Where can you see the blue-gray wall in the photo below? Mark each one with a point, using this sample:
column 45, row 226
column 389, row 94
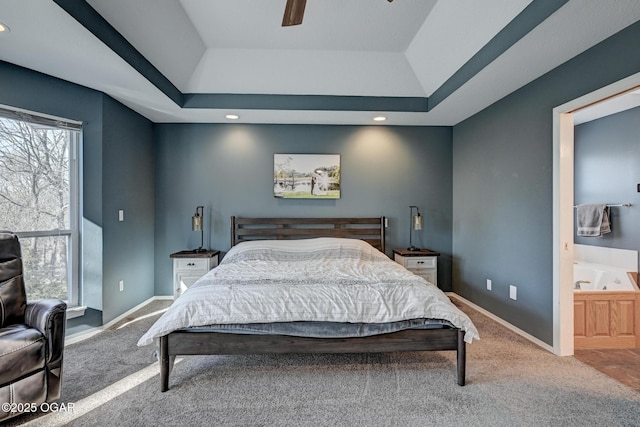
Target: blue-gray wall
column 228, row 168
column 502, row 186
column 127, row 184
column 117, row 173
column 607, row 170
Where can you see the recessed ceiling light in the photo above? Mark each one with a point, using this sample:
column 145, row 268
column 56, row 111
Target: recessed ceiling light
column 4, row 28
column 232, row 116
column 379, row 119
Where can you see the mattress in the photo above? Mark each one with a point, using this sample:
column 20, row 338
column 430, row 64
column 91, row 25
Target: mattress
column 324, row 329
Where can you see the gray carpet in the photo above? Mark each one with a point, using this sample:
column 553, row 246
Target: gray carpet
column 509, row 382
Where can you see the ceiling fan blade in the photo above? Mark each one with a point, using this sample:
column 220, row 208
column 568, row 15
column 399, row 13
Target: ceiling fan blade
column 293, row 12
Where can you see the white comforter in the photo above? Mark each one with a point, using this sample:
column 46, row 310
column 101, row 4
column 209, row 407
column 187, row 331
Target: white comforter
column 323, row 279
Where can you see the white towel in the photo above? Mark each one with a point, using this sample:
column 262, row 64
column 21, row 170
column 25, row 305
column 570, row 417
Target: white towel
column 593, row 220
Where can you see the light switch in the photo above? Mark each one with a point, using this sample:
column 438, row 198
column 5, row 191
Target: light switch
column 121, row 215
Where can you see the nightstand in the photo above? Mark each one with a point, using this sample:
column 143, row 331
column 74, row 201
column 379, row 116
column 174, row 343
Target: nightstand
column 189, row 266
column 423, row 262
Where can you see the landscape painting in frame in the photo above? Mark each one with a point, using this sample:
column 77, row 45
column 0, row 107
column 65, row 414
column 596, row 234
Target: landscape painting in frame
column 306, row 176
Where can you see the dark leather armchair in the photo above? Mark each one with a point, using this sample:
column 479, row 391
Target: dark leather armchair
column 31, row 337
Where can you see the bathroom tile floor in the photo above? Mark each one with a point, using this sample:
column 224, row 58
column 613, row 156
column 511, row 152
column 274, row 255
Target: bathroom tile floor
column 620, row 364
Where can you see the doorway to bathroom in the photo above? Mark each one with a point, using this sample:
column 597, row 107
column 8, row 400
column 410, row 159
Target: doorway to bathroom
column 564, row 117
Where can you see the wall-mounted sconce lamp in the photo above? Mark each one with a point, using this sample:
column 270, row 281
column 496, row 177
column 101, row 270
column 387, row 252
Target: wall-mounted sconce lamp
column 415, row 223
column 197, row 224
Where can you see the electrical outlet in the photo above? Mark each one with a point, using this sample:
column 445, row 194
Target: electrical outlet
column 488, row 284
column 121, row 284
column 513, row 292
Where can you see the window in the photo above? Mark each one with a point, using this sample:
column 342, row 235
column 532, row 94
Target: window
column 39, row 172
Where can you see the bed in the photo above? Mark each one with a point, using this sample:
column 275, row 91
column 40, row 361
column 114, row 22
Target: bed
column 309, row 285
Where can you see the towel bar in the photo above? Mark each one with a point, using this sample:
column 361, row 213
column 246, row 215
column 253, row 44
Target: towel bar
column 613, row 205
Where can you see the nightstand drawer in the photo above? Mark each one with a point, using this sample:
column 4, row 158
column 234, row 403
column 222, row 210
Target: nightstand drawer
column 417, row 263
column 192, row 264
column 423, row 263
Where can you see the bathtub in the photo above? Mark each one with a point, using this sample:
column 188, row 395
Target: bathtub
column 597, row 277
column 606, row 307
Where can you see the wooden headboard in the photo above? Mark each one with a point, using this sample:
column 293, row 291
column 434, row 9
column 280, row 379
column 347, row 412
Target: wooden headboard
column 370, row 230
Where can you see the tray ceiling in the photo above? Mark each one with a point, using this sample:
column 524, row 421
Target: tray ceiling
column 417, row 62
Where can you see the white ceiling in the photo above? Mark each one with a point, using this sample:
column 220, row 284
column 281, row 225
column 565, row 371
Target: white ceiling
column 364, row 48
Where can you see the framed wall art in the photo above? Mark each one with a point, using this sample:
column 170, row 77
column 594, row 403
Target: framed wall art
column 306, row 176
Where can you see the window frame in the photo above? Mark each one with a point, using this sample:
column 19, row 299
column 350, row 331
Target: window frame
column 75, row 184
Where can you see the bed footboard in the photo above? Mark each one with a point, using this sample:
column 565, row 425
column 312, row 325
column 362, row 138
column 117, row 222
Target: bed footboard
column 199, row 342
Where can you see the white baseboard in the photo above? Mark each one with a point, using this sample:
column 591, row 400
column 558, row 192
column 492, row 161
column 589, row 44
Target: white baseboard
column 503, row 322
column 81, row 336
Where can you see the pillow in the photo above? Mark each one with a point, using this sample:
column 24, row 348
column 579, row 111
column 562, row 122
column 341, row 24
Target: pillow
column 305, row 245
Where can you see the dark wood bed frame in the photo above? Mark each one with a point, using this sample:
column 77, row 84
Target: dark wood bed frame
column 197, row 341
